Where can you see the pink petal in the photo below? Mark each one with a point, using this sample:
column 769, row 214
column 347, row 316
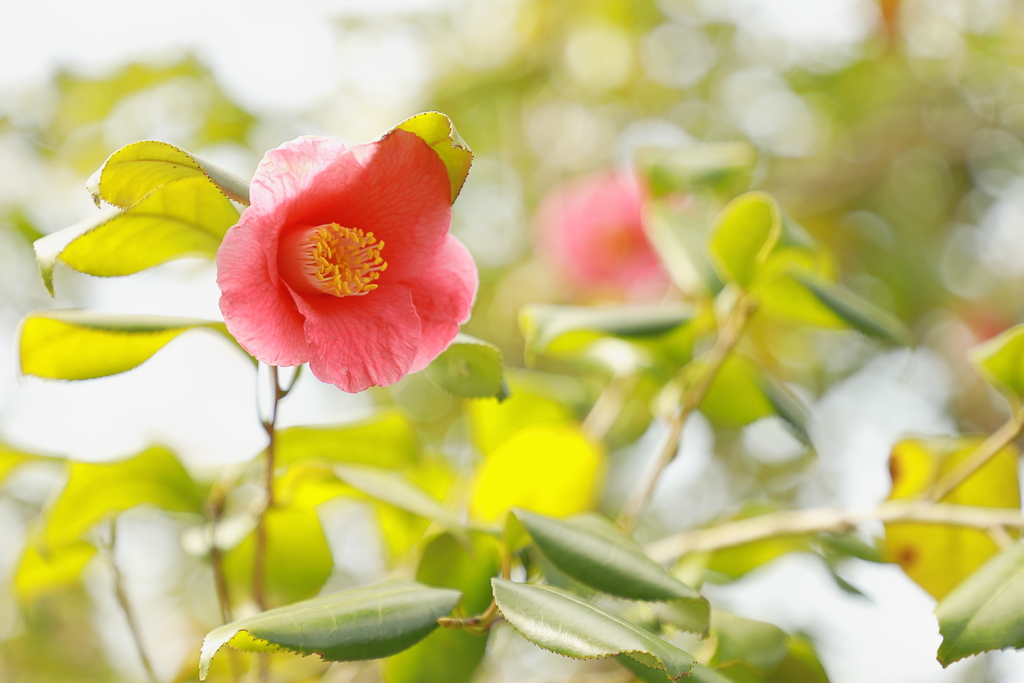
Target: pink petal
column 443, row 294
column 288, row 173
column 361, row 341
column 257, row 306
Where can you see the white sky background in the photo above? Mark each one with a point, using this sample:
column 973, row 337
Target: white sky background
column 283, row 58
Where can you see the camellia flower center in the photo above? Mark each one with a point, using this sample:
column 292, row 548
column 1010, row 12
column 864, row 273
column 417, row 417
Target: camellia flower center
column 340, row 261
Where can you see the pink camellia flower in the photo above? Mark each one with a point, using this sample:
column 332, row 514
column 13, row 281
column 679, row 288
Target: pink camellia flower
column 593, row 228
column 343, row 260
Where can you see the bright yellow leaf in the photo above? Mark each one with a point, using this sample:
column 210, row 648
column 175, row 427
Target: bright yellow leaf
column 493, row 422
column 437, row 130
column 551, row 469
column 939, row 557
column 39, row 575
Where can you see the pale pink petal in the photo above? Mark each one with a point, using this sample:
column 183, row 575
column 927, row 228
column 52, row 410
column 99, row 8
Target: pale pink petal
column 443, row 294
column 357, row 342
column 288, row 173
column 257, row 306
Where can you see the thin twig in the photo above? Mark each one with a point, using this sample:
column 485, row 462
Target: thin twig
column 122, row 600
column 830, row 520
column 269, row 426
column 979, row 457
column 215, row 510
column 608, row 405
column 709, row 367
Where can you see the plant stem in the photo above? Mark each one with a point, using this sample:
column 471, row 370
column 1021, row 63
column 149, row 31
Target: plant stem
column 979, row 457
column 608, row 405
column 215, row 510
column 269, row 426
column 122, row 600
column 709, row 367
column 830, row 520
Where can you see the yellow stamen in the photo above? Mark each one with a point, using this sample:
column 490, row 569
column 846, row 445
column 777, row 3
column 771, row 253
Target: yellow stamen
column 342, row 261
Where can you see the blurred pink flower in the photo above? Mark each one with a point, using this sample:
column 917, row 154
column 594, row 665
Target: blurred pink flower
column 592, row 228
column 343, row 260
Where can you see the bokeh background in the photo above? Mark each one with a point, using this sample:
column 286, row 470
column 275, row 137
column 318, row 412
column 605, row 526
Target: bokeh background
column 892, row 130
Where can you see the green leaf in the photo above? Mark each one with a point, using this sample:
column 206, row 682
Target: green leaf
column 298, row 560
column 43, row 573
column 390, row 488
column 699, row 674
column 387, row 439
column 725, row 167
column 135, row 170
column 75, row 344
column 568, row 625
column 437, row 130
column 366, row 623
column 543, row 324
column 787, row 405
column 470, row 368
column 984, row 612
column 758, row 643
column 98, row 491
column 856, row 312
column 1000, row 361
column 447, row 655
column 743, row 236
column 604, row 559
column 737, row 395
column 184, row 217
column 678, row 233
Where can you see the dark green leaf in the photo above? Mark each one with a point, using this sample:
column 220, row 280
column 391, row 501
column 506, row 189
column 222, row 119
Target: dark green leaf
column 609, row 561
column 699, row 674
column 788, row 406
column 470, row 368
column 543, row 324
column 857, row 312
column 984, row 612
column 568, row 625
column 757, row 643
column 366, row 623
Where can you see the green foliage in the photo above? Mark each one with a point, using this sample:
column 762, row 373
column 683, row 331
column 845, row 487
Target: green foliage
column 183, row 217
column 725, row 167
column 451, row 656
column 99, row 491
column 470, row 368
column 567, row 624
column 387, row 439
column 1001, row 362
column 983, row 613
column 593, row 552
column 391, row 488
column 544, row 324
column 74, row 344
column 743, row 237
column 135, row 170
column 439, row 132
column 366, row 623
column 858, row 313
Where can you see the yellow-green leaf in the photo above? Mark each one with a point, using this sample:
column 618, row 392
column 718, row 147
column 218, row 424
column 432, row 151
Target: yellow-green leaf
column 726, row 167
column 551, row 469
column 74, row 344
column 743, row 236
column 135, row 170
column 437, row 130
column 40, row 574
column 99, row 491
column 183, row 217
column 939, row 557
column 470, row 368
column 1000, row 361
column 736, row 396
column 386, row 439
column 856, row 312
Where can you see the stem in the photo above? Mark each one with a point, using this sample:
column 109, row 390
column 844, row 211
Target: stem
column 480, row 622
column 608, row 405
column 122, row 600
column 830, row 520
column 988, row 449
column 710, row 365
column 269, row 426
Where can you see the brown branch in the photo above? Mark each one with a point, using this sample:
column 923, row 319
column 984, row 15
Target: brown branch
column 123, row 602
column 729, row 336
column 269, row 426
column 830, row 520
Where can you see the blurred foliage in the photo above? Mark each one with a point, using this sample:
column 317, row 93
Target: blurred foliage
column 882, row 167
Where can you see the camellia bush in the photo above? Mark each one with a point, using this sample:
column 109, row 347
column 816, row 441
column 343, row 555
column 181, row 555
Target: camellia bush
column 338, row 261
